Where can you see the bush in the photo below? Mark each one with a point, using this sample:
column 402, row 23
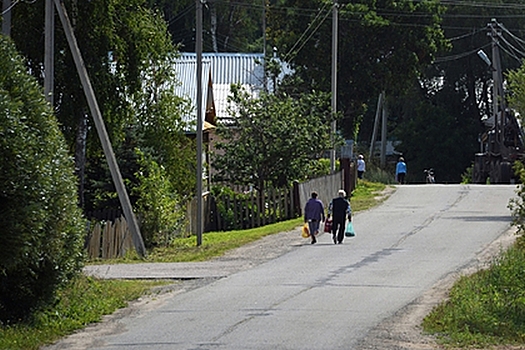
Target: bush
column 161, row 215
column 41, row 224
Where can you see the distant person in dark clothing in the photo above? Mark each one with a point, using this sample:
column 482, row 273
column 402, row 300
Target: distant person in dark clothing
column 339, row 209
column 314, row 214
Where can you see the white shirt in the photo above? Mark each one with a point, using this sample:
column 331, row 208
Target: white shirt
column 360, row 165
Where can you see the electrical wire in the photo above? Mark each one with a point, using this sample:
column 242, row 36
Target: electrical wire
column 520, row 60
column 10, row 7
column 289, row 53
column 514, row 49
column 459, row 56
column 520, row 41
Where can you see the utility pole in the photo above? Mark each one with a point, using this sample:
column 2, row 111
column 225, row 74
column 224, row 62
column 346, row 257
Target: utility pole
column 6, row 17
column 49, row 52
column 198, row 50
column 265, row 83
column 101, row 129
column 498, row 101
column 334, row 84
column 383, row 136
column 376, row 125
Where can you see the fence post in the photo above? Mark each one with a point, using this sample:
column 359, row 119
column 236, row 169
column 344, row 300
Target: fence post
column 296, row 201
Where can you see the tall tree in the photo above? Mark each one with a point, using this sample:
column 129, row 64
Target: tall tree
column 459, row 86
column 383, row 46
column 272, row 139
column 129, row 56
column 229, row 25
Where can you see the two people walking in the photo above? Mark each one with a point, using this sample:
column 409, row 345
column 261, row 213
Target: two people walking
column 339, row 210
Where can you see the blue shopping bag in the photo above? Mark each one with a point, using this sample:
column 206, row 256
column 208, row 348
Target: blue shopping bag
column 349, row 231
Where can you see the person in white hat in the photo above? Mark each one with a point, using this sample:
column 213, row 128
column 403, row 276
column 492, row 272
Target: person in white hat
column 339, row 209
column 361, row 166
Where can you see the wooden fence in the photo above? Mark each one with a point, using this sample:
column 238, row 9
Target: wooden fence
column 245, row 210
column 109, row 239
column 109, row 236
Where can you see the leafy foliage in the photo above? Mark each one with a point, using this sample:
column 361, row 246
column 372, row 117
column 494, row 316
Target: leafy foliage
column 129, row 57
column 421, row 126
column 382, row 46
column 161, row 215
column 485, row 308
column 41, row 224
column 82, row 301
column 272, row 139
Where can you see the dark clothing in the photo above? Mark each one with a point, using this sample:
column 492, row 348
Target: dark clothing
column 313, row 214
column 339, row 209
column 314, row 210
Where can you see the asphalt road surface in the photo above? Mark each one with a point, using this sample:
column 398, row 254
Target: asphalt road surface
column 327, row 296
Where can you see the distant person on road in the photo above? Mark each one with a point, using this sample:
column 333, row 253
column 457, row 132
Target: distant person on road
column 361, row 166
column 401, row 171
column 339, row 209
column 313, row 215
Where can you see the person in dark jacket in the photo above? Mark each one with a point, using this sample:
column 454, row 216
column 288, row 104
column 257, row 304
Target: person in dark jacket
column 339, row 209
column 313, row 214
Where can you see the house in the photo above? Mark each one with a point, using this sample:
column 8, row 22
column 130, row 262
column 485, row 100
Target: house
column 219, row 72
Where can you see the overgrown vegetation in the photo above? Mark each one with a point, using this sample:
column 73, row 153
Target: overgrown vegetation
column 41, row 225
column 485, row 308
column 81, row 302
column 488, row 307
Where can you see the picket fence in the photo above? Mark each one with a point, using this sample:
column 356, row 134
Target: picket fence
column 109, row 239
column 249, row 209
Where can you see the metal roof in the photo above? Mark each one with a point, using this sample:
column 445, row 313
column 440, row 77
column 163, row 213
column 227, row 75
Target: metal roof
column 220, row 70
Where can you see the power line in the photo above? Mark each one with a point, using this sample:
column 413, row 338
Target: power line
column 10, row 7
column 459, row 56
column 289, row 53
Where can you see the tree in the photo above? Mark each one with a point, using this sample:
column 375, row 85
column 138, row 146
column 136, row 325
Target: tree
column 272, row 139
column 230, row 26
column 42, row 230
column 129, row 56
column 383, row 46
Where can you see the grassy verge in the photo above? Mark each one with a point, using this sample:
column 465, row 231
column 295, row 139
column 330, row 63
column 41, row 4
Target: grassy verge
column 216, row 243
column 486, row 308
column 86, row 300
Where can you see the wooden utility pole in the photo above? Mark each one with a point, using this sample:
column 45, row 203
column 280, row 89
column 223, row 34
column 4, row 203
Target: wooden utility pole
column 101, row 129
column 6, row 17
column 383, row 135
column 198, row 50
column 376, row 125
column 335, row 25
column 49, row 52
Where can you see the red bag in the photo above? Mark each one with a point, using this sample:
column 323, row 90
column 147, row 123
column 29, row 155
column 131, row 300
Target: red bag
column 328, row 226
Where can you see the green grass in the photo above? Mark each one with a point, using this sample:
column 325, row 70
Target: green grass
column 486, row 308
column 86, row 300
column 216, row 243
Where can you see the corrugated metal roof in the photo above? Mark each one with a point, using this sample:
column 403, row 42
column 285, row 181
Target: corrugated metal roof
column 225, row 69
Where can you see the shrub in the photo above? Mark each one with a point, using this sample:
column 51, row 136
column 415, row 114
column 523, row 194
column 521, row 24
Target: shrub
column 41, row 226
column 162, row 216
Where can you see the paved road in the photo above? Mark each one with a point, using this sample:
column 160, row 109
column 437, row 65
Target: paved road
column 327, row 296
